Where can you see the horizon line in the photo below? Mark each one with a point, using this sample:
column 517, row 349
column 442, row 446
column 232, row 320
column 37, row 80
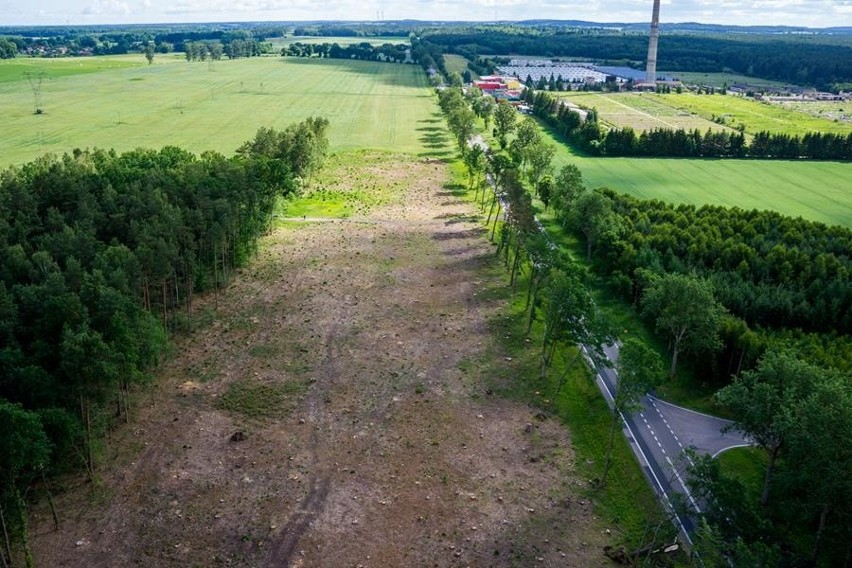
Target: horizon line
column 587, row 23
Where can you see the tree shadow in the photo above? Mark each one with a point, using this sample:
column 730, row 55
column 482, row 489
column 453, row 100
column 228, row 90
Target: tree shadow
column 453, row 218
column 452, row 189
column 363, row 67
column 450, row 235
column 464, row 219
column 434, row 138
column 438, row 154
column 476, row 263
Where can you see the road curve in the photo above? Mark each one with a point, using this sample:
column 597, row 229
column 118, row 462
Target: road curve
column 659, row 434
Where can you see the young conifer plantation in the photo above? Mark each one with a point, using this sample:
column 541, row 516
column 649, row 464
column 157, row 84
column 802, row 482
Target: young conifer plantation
column 101, row 255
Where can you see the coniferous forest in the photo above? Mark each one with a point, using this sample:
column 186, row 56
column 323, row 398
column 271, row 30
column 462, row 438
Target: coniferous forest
column 771, row 272
column 101, row 257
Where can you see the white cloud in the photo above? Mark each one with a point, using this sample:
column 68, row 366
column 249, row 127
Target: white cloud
column 107, row 7
column 817, row 13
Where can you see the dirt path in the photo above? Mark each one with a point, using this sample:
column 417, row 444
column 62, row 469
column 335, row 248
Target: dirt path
column 388, row 448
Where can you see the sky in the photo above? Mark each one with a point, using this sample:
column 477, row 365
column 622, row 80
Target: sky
column 811, row 13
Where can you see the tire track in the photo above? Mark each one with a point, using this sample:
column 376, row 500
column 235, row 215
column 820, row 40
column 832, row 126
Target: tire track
column 284, row 549
column 310, row 507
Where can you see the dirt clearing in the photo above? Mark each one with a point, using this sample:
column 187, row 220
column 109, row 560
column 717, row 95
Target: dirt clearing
column 325, row 416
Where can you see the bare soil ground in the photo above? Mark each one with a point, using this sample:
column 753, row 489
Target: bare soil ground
column 340, row 355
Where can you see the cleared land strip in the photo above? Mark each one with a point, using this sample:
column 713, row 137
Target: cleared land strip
column 389, row 450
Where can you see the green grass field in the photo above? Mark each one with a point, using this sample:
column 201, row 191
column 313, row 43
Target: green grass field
column 719, row 79
column 748, row 465
column 122, row 103
column 755, row 115
column 200, row 107
column 14, row 70
column 455, row 63
column 818, row 191
column 638, row 111
column 645, row 111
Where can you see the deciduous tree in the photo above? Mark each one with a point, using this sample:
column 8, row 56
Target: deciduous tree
column 572, row 318
column 149, row 51
column 484, row 107
column 539, row 158
column 527, row 137
column 505, row 117
column 474, row 160
column 819, row 462
column 26, row 451
column 684, row 308
column 567, row 188
column 592, row 215
column 765, row 403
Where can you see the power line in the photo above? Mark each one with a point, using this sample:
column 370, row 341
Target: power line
column 35, row 79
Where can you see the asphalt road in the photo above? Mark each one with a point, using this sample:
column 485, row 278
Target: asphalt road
column 658, row 435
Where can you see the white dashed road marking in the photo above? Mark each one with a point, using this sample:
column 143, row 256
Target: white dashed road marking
column 671, row 431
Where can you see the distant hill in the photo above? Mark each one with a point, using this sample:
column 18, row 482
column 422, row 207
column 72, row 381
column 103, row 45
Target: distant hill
column 689, row 27
column 641, row 27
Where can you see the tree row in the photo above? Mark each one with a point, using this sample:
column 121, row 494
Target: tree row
column 214, row 50
column 390, row 52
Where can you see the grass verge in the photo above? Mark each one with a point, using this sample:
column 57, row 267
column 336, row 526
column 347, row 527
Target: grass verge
column 626, row 503
column 748, row 465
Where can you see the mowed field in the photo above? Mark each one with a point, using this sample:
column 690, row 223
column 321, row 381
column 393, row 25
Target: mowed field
column 646, row 111
column 638, row 111
column 455, row 63
column 201, row 106
column 818, row 191
column 16, row 70
column 755, row 115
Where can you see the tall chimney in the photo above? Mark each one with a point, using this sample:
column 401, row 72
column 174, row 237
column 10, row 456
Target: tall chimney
column 651, row 67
